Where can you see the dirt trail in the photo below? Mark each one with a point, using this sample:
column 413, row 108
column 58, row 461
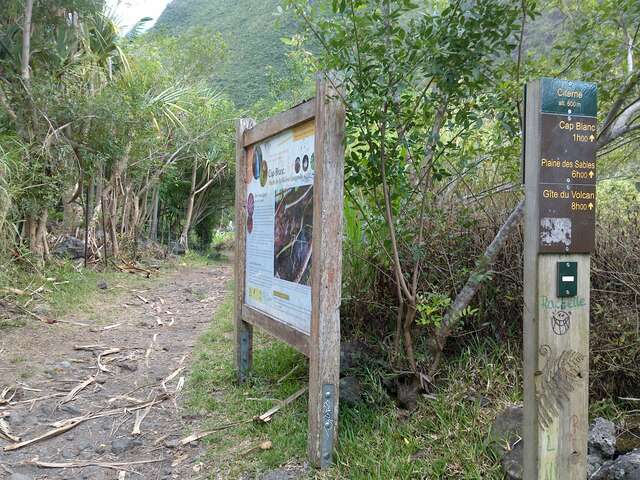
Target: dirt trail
column 138, row 352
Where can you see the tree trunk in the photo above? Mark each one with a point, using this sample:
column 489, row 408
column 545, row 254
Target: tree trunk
column 126, row 211
column 25, row 71
column 41, row 235
column 407, row 329
column 36, row 231
column 113, row 223
column 71, row 213
column 31, row 232
column 184, row 237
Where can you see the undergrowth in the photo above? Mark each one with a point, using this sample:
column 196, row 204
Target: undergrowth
column 443, row 438
column 59, row 288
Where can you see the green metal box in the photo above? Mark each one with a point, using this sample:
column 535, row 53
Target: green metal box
column 567, row 279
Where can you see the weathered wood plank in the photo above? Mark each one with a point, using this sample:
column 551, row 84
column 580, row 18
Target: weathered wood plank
column 243, row 330
column 530, row 278
column 562, row 442
column 280, row 122
column 297, row 339
column 324, row 352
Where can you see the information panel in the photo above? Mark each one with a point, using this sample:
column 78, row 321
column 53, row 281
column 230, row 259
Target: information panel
column 567, row 182
column 279, row 226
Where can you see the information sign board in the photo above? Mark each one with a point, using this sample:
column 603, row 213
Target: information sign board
column 288, row 265
column 280, row 226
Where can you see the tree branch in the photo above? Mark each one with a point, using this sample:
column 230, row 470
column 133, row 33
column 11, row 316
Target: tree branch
column 464, row 297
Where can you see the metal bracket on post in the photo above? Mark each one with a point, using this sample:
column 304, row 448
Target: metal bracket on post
column 328, row 424
column 244, row 354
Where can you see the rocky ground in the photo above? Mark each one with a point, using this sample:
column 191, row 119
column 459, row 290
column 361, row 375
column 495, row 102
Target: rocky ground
column 613, row 451
column 102, row 399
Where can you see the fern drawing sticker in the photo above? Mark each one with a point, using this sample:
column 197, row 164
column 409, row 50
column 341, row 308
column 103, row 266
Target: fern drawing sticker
column 560, row 321
column 559, row 377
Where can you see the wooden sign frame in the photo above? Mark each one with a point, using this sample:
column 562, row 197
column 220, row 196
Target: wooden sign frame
column 322, row 345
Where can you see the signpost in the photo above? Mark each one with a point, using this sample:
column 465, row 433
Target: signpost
column 289, row 201
column 560, row 203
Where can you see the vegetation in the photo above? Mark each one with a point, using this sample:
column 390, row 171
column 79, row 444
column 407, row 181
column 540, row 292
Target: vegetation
column 434, row 147
column 376, row 439
column 116, row 135
column 129, row 142
column 253, row 32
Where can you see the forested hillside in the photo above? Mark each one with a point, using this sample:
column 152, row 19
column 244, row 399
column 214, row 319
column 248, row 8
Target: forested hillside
column 252, row 31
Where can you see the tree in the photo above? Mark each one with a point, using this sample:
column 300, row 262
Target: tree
column 417, row 82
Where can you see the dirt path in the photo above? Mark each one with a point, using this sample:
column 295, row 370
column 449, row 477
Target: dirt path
column 136, row 351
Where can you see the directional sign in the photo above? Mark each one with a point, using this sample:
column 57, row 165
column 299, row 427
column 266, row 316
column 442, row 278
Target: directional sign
column 567, row 180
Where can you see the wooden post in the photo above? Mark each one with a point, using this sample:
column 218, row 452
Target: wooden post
column 324, row 344
column 243, row 330
column 559, row 235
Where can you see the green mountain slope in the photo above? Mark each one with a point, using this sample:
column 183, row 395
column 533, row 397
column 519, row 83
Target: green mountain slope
column 252, row 33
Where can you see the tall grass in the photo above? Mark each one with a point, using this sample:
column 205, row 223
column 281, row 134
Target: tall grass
column 9, row 150
column 5, row 204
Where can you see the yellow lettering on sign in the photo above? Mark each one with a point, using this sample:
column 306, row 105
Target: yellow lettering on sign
column 584, row 164
column 586, row 127
column 550, row 163
column 566, row 125
column 583, row 195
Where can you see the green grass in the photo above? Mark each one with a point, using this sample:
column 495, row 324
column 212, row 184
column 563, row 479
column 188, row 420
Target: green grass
column 62, row 288
column 444, row 438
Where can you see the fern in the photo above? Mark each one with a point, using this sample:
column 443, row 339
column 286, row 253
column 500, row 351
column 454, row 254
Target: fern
column 559, row 377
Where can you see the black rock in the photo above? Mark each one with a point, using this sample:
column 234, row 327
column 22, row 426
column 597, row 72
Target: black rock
column 176, row 249
column 512, row 462
column 350, row 390
column 70, row 247
column 121, row 445
column 625, row 467
column 102, row 285
column 407, row 389
column 597, row 468
column 507, row 427
column 172, row 443
column 602, row 438
column 505, row 438
column 351, row 354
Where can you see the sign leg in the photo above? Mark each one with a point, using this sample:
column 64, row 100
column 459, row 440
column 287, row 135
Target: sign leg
column 324, row 345
column 243, row 331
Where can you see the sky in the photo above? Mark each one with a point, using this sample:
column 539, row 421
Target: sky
column 128, row 12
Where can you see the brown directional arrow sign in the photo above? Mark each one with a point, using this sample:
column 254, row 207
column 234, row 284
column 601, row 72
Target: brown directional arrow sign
column 567, row 180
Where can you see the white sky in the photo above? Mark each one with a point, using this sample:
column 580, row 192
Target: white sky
column 128, row 12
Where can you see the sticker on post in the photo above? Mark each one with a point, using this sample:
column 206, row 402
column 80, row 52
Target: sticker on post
column 555, row 231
